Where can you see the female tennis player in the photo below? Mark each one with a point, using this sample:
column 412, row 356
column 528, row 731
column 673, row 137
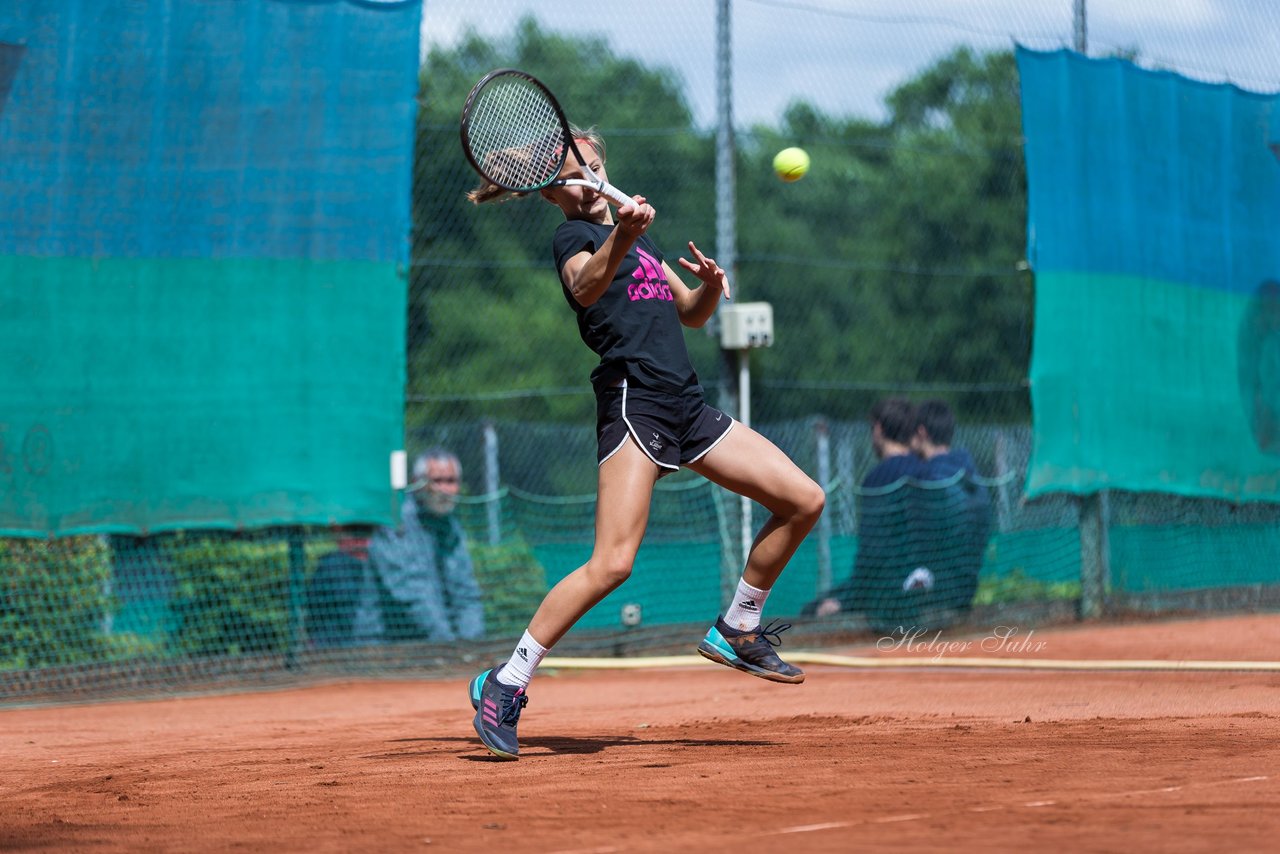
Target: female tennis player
column 651, row 419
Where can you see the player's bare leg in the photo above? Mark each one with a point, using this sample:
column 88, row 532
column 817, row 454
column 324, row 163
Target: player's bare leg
column 750, row 465
column 622, row 512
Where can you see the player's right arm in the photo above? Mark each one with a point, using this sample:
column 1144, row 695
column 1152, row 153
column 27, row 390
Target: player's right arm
column 587, row 275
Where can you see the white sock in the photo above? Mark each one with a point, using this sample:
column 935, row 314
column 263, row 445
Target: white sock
column 525, row 659
column 748, row 603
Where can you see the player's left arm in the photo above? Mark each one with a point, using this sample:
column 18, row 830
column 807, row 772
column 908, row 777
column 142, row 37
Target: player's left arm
column 696, row 305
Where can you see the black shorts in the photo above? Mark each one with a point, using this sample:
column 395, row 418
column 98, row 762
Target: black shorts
column 672, row 429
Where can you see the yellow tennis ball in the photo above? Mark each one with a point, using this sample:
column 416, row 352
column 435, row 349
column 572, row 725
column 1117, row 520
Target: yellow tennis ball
column 791, row 164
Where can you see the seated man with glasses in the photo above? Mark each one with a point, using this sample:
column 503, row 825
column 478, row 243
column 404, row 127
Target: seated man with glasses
column 420, row 583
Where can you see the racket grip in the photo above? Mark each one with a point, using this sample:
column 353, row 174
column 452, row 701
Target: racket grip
column 617, row 195
column 602, row 187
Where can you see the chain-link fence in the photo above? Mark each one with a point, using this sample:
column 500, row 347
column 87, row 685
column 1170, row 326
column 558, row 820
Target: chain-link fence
column 895, row 267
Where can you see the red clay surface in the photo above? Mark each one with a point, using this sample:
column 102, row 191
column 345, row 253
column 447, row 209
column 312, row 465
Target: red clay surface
column 699, row 758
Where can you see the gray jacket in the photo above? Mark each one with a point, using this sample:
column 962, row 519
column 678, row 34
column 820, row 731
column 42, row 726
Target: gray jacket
column 411, row 592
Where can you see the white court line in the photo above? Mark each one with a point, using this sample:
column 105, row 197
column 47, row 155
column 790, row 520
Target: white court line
column 833, row 825
column 895, row 662
column 809, row 828
column 1204, row 785
column 1143, row 792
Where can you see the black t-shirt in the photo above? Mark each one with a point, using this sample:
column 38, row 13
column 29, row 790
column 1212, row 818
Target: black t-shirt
column 634, row 327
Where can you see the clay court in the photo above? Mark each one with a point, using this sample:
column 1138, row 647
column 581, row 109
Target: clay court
column 911, row 749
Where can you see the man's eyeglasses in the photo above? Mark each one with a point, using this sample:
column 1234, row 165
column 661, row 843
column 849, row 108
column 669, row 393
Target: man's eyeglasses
column 443, row 481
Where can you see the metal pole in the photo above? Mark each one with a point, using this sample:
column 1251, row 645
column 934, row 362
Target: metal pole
column 1095, row 555
column 1081, row 27
column 491, row 478
column 1004, row 508
column 744, row 415
column 727, row 257
column 823, row 434
column 297, row 574
column 726, row 237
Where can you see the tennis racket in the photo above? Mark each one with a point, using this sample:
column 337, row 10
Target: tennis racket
column 516, row 136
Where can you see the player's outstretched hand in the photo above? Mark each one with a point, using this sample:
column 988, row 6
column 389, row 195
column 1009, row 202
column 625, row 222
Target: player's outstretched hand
column 707, row 271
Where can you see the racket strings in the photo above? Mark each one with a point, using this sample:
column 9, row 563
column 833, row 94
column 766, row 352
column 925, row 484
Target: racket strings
column 515, row 136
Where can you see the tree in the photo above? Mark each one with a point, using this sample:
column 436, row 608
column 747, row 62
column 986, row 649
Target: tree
column 961, row 122
column 894, row 265
column 486, row 311
column 897, row 261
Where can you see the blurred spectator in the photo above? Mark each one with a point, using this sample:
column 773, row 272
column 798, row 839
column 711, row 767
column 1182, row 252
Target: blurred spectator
column 883, row 538
column 421, row 584
column 893, row 425
column 935, row 429
column 931, row 440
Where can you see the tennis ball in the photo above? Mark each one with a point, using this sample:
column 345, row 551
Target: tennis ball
column 791, row 164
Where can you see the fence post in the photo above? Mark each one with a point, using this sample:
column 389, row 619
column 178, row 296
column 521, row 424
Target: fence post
column 1080, row 28
column 297, row 575
column 1004, row 512
column 1095, row 554
column 727, row 257
column 823, row 440
column 726, row 520
column 492, row 477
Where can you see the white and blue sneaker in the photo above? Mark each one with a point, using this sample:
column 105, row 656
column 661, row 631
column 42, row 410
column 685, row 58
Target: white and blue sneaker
column 750, row 651
column 498, row 709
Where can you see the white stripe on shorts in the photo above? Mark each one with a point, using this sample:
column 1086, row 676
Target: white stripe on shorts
column 716, row 442
column 635, row 435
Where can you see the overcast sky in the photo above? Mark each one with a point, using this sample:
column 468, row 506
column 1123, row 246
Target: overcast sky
column 846, row 55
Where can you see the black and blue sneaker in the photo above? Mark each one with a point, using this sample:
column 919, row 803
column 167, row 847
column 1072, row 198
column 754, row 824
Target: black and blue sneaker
column 750, row 651
column 497, row 713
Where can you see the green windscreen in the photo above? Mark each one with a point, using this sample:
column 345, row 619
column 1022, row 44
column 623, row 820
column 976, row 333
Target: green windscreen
column 192, row 393
column 202, row 246
column 1154, row 232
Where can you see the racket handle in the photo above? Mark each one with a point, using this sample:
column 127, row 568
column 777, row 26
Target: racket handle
column 602, row 187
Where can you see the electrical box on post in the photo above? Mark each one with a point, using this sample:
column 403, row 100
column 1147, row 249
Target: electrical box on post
column 744, row 326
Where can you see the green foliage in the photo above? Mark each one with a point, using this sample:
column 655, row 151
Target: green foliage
column 54, row 597
column 896, row 261
column 230, row 595
column 130, row 646
column 513, row 583
column 1017, row 586
column 487, row 312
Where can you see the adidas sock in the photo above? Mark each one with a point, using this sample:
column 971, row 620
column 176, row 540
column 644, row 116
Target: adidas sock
column 526, row 657
column 747, row 605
